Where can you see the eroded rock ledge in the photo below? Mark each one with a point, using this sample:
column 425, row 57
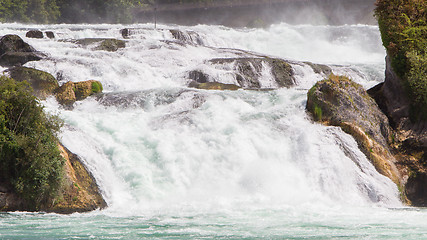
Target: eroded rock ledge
column 340, row 102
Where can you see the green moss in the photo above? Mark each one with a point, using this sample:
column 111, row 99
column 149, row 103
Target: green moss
column 404, row 33
column 317, row 113
column 96, row 87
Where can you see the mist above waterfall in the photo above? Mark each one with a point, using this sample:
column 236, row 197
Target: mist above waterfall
column 262, row 14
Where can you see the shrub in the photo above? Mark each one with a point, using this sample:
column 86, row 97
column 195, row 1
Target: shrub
column 404, row 34
column 29, row 157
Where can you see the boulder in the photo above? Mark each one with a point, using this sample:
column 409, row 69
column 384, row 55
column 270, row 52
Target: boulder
column 71, row 92
column 188, row 37
column 14, row 51
column 340, row 102
column 34, row 34
column 50, row 34
column 125, row 32
column 198, row 76
column 111, row 45
column 105, row 44
column 248, row 72
column 43, row 83
column 65, row 94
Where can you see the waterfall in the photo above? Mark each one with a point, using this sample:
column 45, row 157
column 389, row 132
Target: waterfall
column 153, row 143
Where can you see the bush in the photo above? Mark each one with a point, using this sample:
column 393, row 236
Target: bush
column 29, row 157
column 404, row 33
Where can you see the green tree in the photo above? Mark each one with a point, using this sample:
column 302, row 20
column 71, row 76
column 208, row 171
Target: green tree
column 29, row 157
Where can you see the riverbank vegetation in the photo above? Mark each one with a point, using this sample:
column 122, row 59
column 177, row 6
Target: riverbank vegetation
column 30, row 162
column 76, row 11
column 404, row 33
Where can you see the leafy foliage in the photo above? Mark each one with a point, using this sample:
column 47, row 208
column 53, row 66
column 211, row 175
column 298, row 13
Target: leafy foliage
column 404, row 33
column 29, row 157
column 41, row 11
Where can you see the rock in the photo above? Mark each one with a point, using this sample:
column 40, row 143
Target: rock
column 10, row 59
column 198, row 76
column 78, row 192
column 43, row 83
column 188, row 37
column 105, row 44
column 320, row 68
column 391, row 97
column 125, row 32
column 410, row 143
column 34, row 34
column 215, row 86
column 249, row 71
column 340, row 102
column 50, row 34
column 71, row 92
column 13, row 43
column 65, row 94
column 111, row 45
column 86, row 88
column 14, row 51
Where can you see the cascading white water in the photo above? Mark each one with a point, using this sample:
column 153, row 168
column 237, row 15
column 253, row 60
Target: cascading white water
column 159, row 148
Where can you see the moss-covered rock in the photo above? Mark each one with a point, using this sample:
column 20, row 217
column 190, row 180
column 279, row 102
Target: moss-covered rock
column 65, row 94
column 111, row 45
column 104, row 44
column 43, row 83
column 340, row 102
column 71, row 92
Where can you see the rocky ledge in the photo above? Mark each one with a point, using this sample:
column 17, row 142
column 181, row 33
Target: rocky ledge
column 340, row 102
column 78, row 193
column 246, row 72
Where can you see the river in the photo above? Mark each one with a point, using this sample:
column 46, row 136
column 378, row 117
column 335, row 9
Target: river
column 174, row 162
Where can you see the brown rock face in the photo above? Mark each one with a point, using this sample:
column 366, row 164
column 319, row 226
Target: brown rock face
column 65, row 94
column 78, row 193
column 70, row 92
column 410, row 145
column 340, row 102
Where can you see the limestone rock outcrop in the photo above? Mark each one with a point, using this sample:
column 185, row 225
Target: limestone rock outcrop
column 248, row 73
column 340, row 102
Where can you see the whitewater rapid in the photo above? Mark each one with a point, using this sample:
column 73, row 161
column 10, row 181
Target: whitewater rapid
column 155, row 145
